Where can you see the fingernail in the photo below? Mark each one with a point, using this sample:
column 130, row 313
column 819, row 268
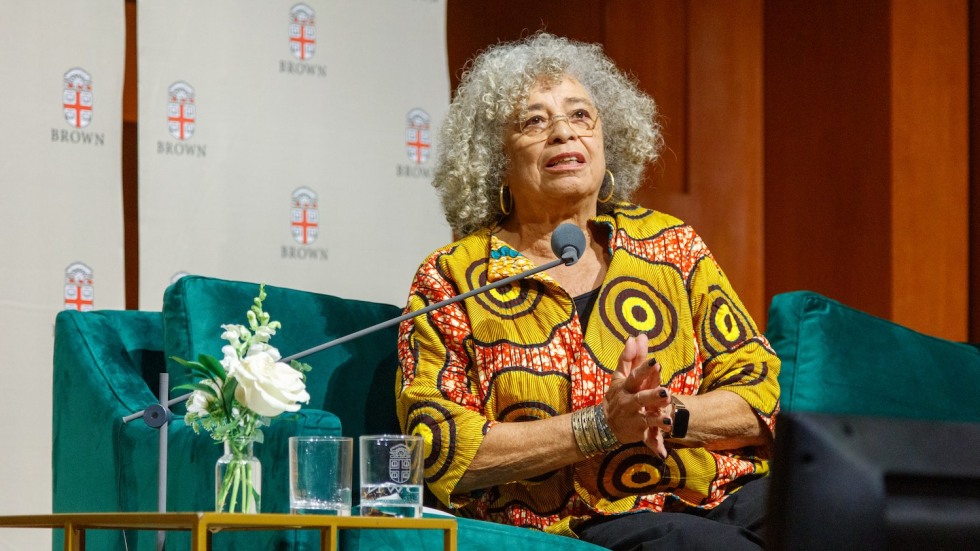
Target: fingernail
column 667, row 421
column 652, row 362
column 663, row 393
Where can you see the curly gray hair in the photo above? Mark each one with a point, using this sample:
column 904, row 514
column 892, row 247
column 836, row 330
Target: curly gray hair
column 495, row 87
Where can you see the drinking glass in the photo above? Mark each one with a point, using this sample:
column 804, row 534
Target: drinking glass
column 320, row 475
column 391, row 475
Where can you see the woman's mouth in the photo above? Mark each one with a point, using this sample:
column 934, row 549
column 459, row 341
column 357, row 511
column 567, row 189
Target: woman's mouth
column 566, row 159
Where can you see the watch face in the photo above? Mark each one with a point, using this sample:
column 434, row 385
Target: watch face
column 681, row 418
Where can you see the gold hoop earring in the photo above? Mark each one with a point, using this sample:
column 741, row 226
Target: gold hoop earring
column 510, row 201
column 612, row 188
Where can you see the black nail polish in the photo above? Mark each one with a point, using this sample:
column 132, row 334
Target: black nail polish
column 663, row 393
column 667, row 421
column 652, row 362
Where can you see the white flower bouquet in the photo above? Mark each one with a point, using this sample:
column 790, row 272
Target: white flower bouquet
column 234, row 398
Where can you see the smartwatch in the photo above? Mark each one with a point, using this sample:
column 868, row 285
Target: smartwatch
column 681, row 418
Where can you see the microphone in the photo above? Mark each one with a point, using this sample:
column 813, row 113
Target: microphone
column 567, row 243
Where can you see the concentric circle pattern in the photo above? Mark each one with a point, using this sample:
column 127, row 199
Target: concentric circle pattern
column 435, row 424
column 633, row 470
column 630, row 305
column 508, row 302
column 725, row 324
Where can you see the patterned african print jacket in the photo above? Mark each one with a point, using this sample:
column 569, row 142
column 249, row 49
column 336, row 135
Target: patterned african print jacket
column 517, row 353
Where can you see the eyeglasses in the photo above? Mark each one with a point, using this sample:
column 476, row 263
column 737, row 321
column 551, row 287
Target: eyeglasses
column 581, row 120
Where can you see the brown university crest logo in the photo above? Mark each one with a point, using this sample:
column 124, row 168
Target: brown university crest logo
column 304, row 218
column 302, row 32
column 77, row 100
column 418, row 142
column 79, row 289
column 181, row 110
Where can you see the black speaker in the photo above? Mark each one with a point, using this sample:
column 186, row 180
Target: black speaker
column 846, row 482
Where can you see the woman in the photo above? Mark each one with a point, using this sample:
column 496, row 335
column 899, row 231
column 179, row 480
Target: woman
column 553, row 403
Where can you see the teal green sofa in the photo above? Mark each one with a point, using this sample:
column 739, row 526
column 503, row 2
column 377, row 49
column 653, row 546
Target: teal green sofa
column 839, row 360
column 107, row 366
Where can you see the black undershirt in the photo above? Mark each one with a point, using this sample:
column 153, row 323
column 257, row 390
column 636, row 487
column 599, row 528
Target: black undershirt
column 584, row 303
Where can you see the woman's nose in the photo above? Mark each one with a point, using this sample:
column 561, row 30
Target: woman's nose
column 561, row 130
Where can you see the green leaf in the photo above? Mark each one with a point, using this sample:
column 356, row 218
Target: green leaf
column 207, row 389
column 214, row 367
column 300, row 366
column 195, row 367
column 228, row 395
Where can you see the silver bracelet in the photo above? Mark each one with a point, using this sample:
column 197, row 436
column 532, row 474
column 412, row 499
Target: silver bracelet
column 592, row 433
column 607, row 437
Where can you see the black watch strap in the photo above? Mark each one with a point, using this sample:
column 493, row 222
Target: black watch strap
column 681, row 418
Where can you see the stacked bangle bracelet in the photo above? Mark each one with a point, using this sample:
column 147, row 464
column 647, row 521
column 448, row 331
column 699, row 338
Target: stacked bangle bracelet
column 592, row 432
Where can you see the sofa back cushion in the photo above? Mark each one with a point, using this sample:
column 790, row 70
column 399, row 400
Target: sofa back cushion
column 839, row 360
column 354, row 380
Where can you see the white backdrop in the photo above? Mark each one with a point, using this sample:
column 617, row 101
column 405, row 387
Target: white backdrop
column 280, row 141
column 289, row 143
column 61, row 210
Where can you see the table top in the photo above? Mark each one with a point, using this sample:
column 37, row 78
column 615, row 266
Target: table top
column 203, row 524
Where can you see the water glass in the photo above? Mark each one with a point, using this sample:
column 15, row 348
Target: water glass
column 391, row 475
column 320, row 475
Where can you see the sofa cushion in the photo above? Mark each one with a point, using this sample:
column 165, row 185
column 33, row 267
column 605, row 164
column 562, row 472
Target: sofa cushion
column 355, row 380
column 839, row 360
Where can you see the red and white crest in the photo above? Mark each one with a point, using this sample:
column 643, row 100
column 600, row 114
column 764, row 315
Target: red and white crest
column 77, row 100
column 302, row 31
column 417, row 139
column 304, row 218
column 79, row 291
column 181, row 110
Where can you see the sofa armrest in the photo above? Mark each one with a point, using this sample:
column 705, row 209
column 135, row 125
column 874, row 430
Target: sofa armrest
column 95, row 383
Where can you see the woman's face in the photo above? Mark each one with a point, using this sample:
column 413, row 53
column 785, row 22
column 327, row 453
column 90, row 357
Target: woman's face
column 551, row 164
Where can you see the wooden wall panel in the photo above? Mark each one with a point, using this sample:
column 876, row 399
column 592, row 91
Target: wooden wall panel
column 649, row 40
column 130, row 99
column 930, row 183
column 827, row 151
column 473, row 26
column 130, row 165
column 974, row 232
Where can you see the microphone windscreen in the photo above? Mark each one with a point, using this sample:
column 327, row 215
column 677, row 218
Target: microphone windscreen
column 568, row 243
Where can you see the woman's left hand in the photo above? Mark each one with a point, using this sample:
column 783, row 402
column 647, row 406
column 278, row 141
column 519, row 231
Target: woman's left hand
column 636, row 404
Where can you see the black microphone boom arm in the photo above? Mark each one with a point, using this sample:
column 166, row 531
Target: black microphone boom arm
column 387, row 323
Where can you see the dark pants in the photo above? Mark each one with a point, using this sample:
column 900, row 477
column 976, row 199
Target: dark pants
column 738, row 523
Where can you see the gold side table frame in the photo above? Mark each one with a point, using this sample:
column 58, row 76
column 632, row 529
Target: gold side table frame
column 203, row 525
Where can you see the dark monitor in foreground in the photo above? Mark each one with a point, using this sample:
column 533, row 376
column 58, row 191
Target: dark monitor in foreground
column 867, row 483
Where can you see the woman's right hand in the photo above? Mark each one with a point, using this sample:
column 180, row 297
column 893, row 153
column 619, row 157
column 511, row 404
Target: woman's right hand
column 636, row 404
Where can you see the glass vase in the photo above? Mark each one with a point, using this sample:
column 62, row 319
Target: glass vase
column 238, row 479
